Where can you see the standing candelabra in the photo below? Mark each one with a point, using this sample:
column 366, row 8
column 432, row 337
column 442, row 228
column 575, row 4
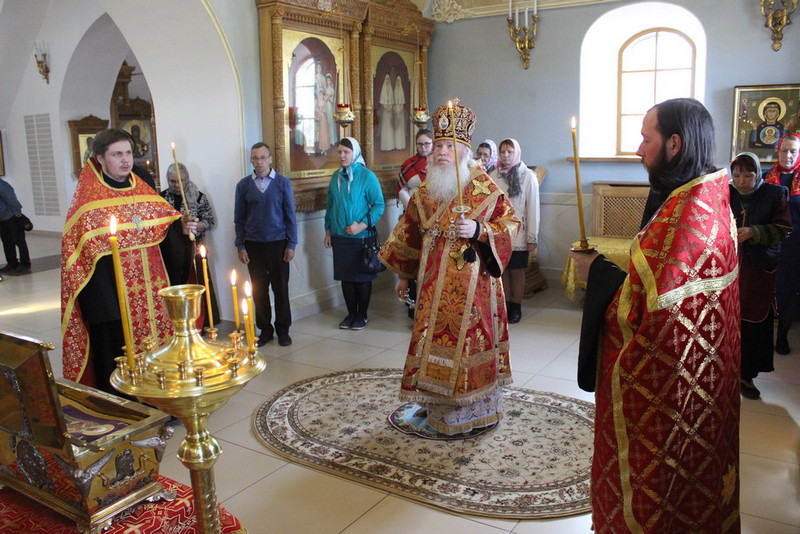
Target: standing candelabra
column 190, row 378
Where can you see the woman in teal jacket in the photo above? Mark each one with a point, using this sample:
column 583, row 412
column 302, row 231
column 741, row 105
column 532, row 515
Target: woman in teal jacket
column 355, row 201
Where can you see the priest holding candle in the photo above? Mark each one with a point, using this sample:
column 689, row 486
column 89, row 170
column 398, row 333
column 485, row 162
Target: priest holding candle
column 458, row 358
column 660, row 345
column 91, row 318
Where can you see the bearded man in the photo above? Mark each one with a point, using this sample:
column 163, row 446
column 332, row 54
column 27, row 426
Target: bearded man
column 458, row 358
column 661, row 345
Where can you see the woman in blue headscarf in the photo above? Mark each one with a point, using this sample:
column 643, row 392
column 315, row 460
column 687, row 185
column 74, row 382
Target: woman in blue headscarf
column 355, row 202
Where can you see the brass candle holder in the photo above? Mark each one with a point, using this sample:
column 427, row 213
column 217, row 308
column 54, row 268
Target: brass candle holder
column 191, row 378
column 777, row 19
column 524, row 38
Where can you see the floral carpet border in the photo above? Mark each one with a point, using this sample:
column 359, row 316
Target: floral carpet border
column 534, row 465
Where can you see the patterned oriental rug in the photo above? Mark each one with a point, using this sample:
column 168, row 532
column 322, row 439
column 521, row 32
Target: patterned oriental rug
column 534, row 465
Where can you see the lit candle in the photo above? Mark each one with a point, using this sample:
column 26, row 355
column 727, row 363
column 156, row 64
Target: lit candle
column 248, row 334
column 584, row 243
column 207, row 285
column 235, row 298
column 248, row 292
column 455, row 151
column 121, row 297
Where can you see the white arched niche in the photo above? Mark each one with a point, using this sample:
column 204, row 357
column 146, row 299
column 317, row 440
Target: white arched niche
column 599, row 66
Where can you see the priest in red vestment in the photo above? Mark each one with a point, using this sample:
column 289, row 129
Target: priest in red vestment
column 660, row 346
column 90, row 318
column 458, row 358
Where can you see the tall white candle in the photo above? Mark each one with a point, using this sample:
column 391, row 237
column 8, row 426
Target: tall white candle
column 526, row 16
column 535, row 7
column 509, row 8
column 516, row 17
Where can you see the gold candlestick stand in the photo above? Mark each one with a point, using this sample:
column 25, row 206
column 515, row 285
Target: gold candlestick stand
column 190, row 379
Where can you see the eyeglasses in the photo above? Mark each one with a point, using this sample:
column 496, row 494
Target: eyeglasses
column 425, row 144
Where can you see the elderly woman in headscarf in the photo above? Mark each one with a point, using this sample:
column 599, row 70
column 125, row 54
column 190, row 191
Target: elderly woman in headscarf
column 762, row 221
column 521, row 187
column 786, row 172
column 486, row 154
column 355, row 202
column 180, row 252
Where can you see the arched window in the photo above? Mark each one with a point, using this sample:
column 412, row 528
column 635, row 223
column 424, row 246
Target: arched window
column 654, row 65
column 304, row 87
column 632, row 58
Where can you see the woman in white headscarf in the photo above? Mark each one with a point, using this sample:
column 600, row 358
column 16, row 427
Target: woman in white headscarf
column 520, row 185
column 486, row 154
column 355, row 202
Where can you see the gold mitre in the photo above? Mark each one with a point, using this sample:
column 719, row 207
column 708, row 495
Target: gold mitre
column 464, row 119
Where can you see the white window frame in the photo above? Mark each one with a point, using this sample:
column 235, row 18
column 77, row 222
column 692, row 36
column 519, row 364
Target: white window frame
column 599, row 67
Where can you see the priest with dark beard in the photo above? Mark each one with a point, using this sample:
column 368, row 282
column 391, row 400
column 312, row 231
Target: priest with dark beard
column 660, row 345
column 458, row 359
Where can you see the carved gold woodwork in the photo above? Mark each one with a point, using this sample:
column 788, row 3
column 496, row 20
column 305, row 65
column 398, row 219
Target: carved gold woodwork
column 330, row 31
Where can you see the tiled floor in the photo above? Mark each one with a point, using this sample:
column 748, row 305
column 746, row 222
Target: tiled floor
column 271, row 495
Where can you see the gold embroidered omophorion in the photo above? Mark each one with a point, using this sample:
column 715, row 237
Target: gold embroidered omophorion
column 458, row 353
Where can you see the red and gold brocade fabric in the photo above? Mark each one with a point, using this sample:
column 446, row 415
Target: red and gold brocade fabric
column 459, row 346
column 667, row 421
column 143, row 218
column 21, row 514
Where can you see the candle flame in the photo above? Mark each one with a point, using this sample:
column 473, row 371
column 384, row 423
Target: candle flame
column 233, row 277
column 244, row 307
column 574, row 122
column 450, row 104
column 202, row 251
column 113, row 225
column 173, row 145
column 248, row 289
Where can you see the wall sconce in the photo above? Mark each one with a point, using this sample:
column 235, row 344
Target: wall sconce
column 40, row 55
column 777, row 19
column 524, row 38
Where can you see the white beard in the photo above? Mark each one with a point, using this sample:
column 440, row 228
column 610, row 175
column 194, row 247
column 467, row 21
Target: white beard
column 441, row 182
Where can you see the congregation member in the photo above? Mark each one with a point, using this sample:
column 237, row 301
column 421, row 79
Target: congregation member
column 414, row 169
column 412, row 174
column 486, row 154
column 458, row 358
column 12, row 232
column 763, row 221
column 786, row 172
column 355, row 202
column 666, row 447
column 521, row 187
column 181, row 251
column 266, row 238
column 90, row 310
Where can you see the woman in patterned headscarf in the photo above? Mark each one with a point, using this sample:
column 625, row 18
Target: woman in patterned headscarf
column 520, row 185
column 355, row 202
column 762, row 220
column 786, row 172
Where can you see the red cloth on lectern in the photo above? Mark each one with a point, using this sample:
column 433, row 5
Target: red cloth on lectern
column 667, row 420
column 20, row 514
column 143, row 218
